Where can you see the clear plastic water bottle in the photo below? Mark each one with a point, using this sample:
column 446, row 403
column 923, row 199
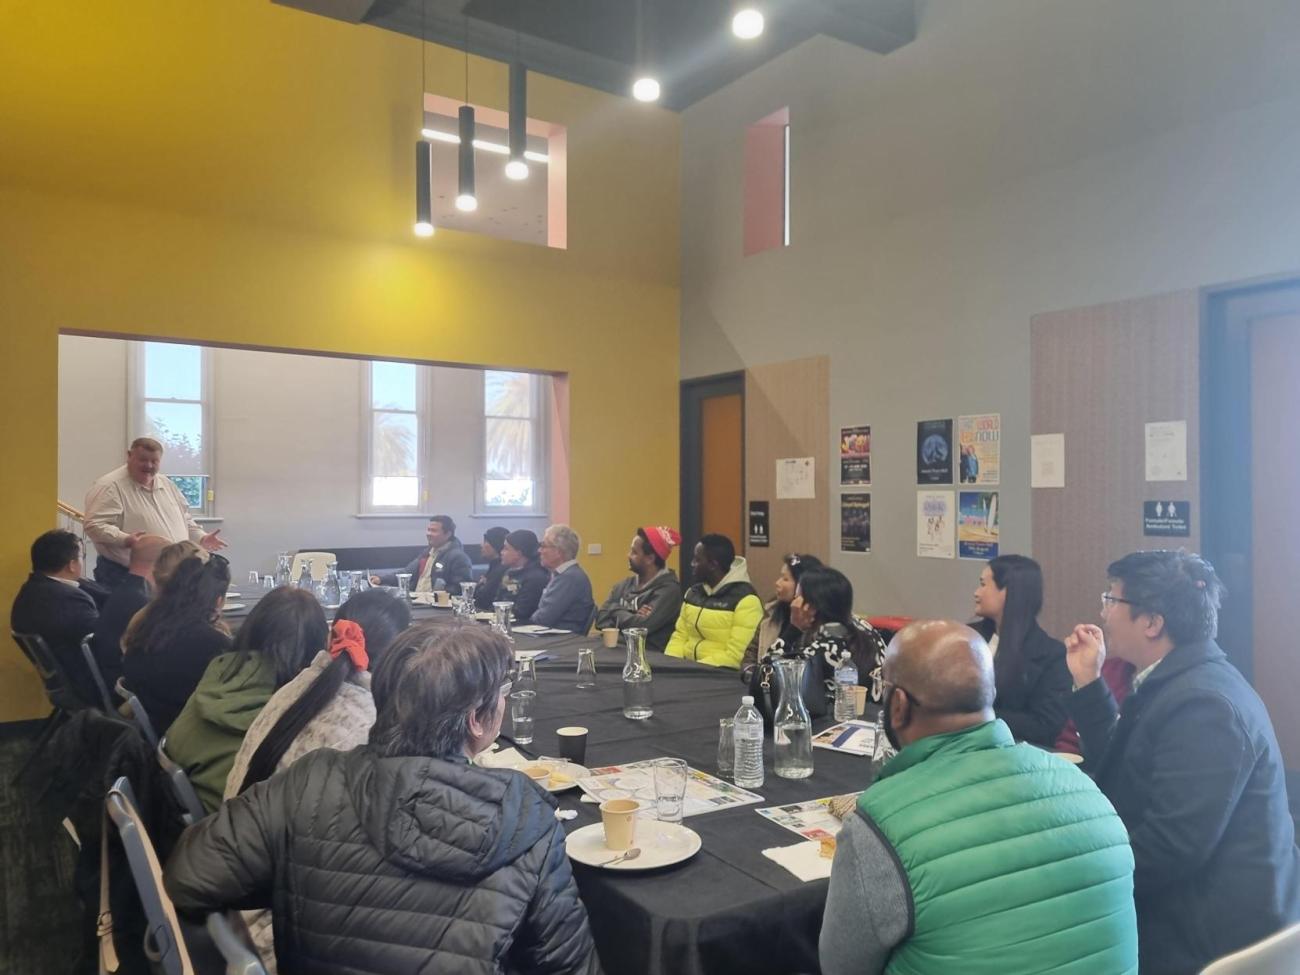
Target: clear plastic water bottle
column 748, row 735
column 846, row 678
column 638, row 689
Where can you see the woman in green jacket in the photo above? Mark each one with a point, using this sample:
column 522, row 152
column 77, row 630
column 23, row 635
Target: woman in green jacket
column 280, row 637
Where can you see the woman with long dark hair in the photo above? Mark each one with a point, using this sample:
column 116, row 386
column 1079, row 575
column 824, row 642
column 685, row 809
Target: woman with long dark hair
column 280, row 637
column 328, row 705
column 1032, row 678
column 171, row 642
column 822, row 609
column 776, row 614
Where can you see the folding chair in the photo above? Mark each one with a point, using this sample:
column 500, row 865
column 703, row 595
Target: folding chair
column 1275, row 955
column 181, row 785
column 240, row 959
column 58, row 688
column 164, row 944
column 92, row 665
column 140, row 717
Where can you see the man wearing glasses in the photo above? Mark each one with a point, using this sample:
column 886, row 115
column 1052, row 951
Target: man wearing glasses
column 1191, row 764
column 971, row 853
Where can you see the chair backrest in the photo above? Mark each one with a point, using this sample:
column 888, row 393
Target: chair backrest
column 240, row 959
column 92, row 665
column 182, row 787
column 1275, row 955
column 141, row 719
column 319, row 561
column 58, row 686
column 591, row 620
column 163, row 939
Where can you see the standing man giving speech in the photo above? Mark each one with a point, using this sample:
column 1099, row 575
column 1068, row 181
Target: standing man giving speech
column 133, row 501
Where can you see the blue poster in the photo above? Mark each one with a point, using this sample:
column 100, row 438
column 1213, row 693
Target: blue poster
column 977, row 525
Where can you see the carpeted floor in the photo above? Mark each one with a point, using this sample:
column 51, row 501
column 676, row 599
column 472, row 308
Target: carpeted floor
column 39, row 913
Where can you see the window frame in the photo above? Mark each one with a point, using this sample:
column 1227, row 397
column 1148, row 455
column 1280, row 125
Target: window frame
column 423, row 445
column 137, row 413
column 540, row 442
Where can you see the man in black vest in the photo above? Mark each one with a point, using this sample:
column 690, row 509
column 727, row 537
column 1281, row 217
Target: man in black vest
column 55, row 603
column 1191, row 765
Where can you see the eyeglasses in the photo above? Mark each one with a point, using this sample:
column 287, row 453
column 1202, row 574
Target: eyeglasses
column 889, row 687
column 1107, row 599
column 547, row 545
column 511, row 676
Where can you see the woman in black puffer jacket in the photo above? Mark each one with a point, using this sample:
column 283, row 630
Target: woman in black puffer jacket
column 400, row 855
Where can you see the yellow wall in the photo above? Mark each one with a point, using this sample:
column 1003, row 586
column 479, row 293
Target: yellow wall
column 240, row 172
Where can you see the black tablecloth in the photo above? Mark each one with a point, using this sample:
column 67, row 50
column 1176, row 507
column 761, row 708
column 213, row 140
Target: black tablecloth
column 729, row 908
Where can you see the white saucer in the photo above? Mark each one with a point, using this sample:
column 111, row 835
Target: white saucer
column 661, row 844
column 232, row 606
column 572, row 769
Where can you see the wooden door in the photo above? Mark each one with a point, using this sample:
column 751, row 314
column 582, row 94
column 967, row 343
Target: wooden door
column 1275, row 474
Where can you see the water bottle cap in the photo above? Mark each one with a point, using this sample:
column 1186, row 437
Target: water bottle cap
column 747, row 699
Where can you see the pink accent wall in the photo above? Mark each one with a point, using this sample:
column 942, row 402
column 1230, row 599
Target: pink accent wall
column 764, row 186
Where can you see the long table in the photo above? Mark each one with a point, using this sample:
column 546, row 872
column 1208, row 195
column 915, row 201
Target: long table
column 729, row 908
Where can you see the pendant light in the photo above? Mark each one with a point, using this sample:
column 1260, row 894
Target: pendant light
column 423, row 159
column 423, row 189
column 746, row 20
column 645, row 86
column 517, row 167
column 466, row 201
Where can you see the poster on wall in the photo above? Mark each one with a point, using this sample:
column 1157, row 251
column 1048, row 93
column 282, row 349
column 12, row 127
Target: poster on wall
column 1166, row 453
column 1047, row 460
column 979, row 448
column 795, row 478
column 977, row 525
column 934, row 525
column 855, row 455
column 855, row 523
column 760, row 528
column 934, row 452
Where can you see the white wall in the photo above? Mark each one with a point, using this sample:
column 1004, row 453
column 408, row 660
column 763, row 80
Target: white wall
column 1020, row 156
column 286, row 474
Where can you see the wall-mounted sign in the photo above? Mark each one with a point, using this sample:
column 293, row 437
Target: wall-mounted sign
column 855, row 523
column 934, row 452
column 1167, row 519
column 759, row 526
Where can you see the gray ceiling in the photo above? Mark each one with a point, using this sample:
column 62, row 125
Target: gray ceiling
column 593, row 42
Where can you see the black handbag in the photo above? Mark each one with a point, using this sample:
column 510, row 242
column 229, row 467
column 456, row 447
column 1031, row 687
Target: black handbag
column 815, row 690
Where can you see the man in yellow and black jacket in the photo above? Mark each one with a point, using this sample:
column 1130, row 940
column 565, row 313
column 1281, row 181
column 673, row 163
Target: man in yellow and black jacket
column 721, row 611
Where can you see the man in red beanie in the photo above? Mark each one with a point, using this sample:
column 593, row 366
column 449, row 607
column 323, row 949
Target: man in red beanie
column 652, row 596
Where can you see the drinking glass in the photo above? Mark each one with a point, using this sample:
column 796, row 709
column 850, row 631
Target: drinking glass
column 526, row 680
column 254, row 579
column 502, row 622
column 670, row 789
column 587, row 668
column 726, row 746
column 404, row 584
column 467, row 590
column 268, row 582
column 521, row 715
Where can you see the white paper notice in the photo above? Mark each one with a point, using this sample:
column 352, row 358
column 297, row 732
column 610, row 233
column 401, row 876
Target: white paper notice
column 1167, row 451
column 934, row 525
column 1047, row 460
column 794, row 478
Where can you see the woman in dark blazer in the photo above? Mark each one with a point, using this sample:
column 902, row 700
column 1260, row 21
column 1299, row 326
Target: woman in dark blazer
column 1032, row 679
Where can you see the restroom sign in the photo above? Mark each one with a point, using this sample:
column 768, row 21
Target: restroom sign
column 1167, row 519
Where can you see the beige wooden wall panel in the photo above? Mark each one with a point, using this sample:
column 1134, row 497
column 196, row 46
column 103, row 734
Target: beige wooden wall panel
column 787, row 409
column 1099, row 374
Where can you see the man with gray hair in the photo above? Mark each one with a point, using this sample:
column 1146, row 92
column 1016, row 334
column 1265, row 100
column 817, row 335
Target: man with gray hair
column 132, row 501
column 971, row 853
column 566, row 603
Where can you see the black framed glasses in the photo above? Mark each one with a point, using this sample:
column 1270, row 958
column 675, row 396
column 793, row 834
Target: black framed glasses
column 1107, row 599
column 889, row 687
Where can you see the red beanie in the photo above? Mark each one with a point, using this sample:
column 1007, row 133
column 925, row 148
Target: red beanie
column 662, row 539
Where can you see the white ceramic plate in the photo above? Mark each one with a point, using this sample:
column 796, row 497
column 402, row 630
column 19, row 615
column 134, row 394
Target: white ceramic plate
column 661, row 844
column 231, row 594
column 573, row 770
column 233, row 606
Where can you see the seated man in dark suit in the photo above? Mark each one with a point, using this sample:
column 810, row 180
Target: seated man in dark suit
column 129, row 597
column 53, row 604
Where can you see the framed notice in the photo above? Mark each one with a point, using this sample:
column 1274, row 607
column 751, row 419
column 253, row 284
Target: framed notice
column 934, row 452
column 855, row 523
column 855, row 455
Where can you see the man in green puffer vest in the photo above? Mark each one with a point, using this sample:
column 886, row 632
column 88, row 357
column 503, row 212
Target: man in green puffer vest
column 970, row 854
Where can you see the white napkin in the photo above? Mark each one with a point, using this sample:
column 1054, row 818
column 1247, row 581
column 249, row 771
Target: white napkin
column 804, row 860
column 505, row 758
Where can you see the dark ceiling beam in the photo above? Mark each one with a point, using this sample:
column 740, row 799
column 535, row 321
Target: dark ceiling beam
column 353, row 11
column 876, row 25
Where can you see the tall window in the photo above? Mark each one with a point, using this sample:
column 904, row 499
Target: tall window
column 512, row 442
column 170, row 392
column 394, row 437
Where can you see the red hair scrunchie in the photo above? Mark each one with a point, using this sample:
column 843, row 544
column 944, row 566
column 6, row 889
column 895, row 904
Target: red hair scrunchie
column 348, row 637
